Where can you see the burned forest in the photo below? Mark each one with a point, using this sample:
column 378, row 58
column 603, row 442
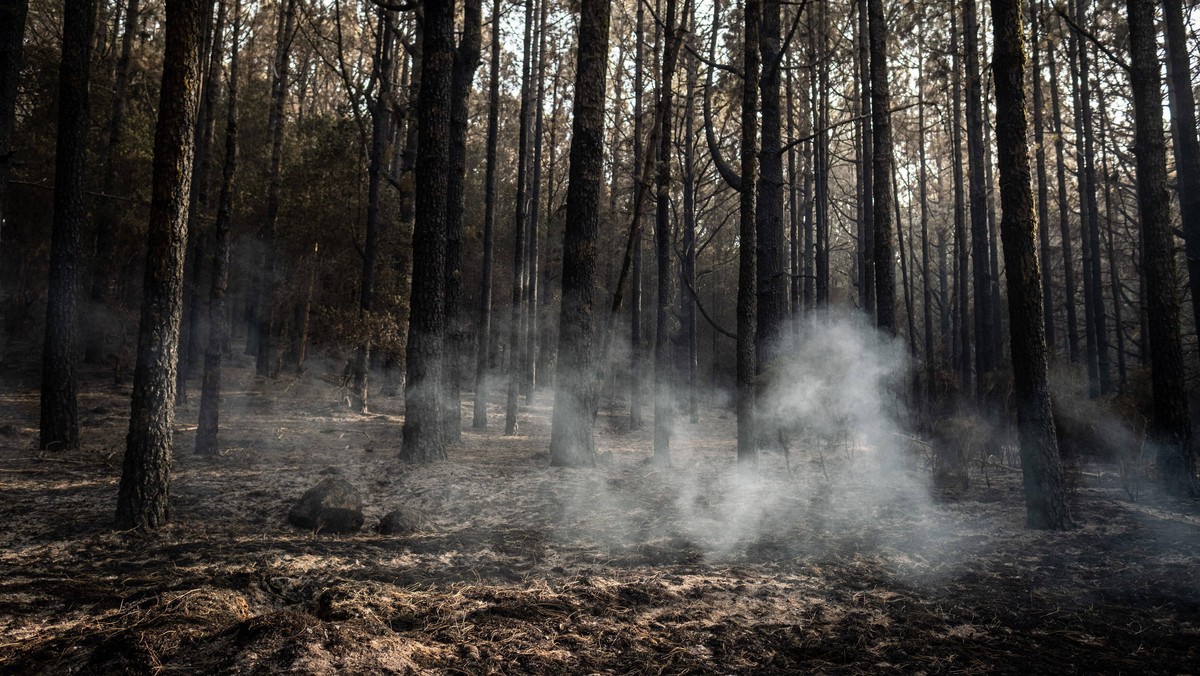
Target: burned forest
column 599, row 336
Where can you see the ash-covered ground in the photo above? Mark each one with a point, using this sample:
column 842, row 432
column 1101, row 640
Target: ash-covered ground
column 847, row 563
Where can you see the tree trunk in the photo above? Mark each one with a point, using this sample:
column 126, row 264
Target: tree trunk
column 961, row 247
column 207, row 429
column 688, row 268
column 866, row 168
column 198, row 206
column 422, row 434
column 1043, row 194
column 664, row 396
column 881, row 150
column 380, row 133
column 771, row 263
column 1185, row 142
column 1171, row 428
column 984, row 350
column 530, row 380
column 571, row 436
column 265, row 354
column 516, row 342
column 747, row 438
column 146, row 471
column 635, row 283
column 483, row 340
column 466, row 60
column 60, row 384
column 1045, row 499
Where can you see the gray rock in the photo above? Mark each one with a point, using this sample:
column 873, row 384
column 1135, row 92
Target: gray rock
column 332, row 506
column 401, row 522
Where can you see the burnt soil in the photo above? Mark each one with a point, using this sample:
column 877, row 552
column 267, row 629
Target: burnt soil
column 518, row 567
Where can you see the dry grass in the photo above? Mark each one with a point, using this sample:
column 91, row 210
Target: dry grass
column 524, row 568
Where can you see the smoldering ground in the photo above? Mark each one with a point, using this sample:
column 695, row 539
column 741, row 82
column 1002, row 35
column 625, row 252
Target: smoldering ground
column 847, row 563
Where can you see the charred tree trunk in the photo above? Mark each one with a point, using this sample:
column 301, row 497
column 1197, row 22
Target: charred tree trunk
column 866, row 169
column 881, row 156
column 208, row 427
column 664, row 396
column 422, row 433
column 571, row 436
column 688, row 268
column 747, row 437
column 771, row 265
column 1185, row 142
column 1171, row 427
column 635, row 283
column 1045, row 498
column 146, row 472
column 532, row 256
column 466, row 60
column 60, row 383
column 484, row 337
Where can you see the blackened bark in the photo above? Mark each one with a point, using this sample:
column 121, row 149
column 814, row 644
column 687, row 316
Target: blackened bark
column 484, row 337
column 1171, row 428
column 422, row 434
column 1085, row 242
column 59, row 414
column 747, row 449
column 635, row 284
column 866, row 168
column 571, row 436
column 1185, row 142
column 466, row 60
column 664, row 397
column 532, row 241
column 884, row 234
column 688, row 268
column 208, row 428
column 146, row 471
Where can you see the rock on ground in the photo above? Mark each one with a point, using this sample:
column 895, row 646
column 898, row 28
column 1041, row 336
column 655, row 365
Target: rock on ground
column 332, row 506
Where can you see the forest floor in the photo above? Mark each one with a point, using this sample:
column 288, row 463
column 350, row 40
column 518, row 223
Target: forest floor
column 845, row 564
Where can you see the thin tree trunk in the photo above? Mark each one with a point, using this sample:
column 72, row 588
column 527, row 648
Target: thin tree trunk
column 208, row 427
column 747, row 438
column 866, row 169
column 516, row 327
column 961, row 246
column 688, row 269
column 484, row 337
column 884, row 231
column 635, row 283
column 571, row 436
column 530, row 379
column 1064, row 221
column 422, row 433
column 664, row 376
column 1185, row 142
column 466, row 60
column 1171, row 430
column 771, row 267
column 1045, row 498
column 146, row 471
column 1085, row 242
column 60, row 383
column 984, row 350
column 12, row 32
